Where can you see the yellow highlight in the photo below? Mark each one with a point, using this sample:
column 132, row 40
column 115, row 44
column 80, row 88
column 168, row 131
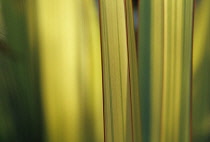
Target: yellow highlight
column 68, row 34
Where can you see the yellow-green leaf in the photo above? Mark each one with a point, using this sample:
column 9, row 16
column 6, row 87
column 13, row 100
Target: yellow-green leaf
column 165, row 48
column 119, row 61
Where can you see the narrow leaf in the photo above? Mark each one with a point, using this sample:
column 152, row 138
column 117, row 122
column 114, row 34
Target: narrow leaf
column 119, row 62
column 165, row 48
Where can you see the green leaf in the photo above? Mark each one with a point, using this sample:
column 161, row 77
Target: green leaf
column 20, row 103
column 165, row 48
column 69, row 45
column 201, row 69
column 119, row 62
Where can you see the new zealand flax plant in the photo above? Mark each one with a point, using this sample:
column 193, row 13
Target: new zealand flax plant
column 54, row 43
column 201, row 70
column 165, row 54
column 74, row 71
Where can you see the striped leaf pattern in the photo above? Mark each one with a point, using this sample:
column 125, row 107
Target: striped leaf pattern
column 119, row 61
column 165, row 50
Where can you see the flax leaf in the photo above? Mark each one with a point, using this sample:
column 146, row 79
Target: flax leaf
column 201, row 69
column 68, row 34
column 20, row 93
column 165, row 48
column 119, row 62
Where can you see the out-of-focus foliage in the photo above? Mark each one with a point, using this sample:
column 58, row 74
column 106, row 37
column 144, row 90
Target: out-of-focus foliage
column 71, row 70
column 164, row 58
column 51, row 78
column 68, row 34
column 20, row 106
column 50, row 72
column 201, row 73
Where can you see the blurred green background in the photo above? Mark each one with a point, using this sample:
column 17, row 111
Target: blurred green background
column 49, row 92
